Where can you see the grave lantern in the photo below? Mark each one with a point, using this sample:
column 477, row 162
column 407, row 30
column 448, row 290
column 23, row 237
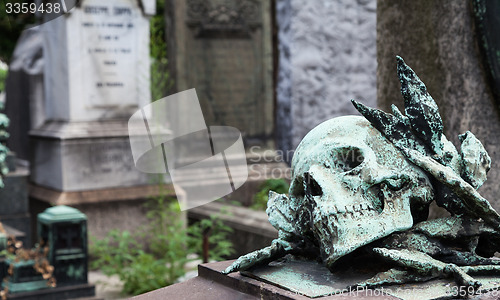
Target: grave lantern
column 64, row 230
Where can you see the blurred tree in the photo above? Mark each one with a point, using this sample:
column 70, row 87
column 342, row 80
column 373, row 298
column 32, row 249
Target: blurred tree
column 11, row 26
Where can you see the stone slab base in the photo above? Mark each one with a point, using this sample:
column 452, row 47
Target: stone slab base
column 211, row 284
column 86, row 291
column 56, row 197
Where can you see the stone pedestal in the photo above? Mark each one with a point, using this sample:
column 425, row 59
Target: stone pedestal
column 81, row 291
column 83, row 156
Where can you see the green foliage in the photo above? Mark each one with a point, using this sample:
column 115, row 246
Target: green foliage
column 147, row 273
column 279, row 186
column 11, row 27
column 143, row 270
column 167, row 235
column 120, row 253
column 160, row 78
column 117, row 249
column 168, row 243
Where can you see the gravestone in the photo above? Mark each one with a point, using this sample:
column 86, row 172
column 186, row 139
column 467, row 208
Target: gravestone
column 97, row 74
column 327, row 56
column 451, row 65
column 223, row 49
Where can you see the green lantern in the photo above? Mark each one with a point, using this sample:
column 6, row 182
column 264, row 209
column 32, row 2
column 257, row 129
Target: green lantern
column 64, row 230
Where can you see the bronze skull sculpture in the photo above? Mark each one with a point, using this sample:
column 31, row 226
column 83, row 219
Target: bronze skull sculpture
column 355, row 185
column 367, row 182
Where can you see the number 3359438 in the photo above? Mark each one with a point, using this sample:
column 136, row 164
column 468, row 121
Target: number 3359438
column 25, row 8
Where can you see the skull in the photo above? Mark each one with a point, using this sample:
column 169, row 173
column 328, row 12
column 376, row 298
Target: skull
column 354, row 187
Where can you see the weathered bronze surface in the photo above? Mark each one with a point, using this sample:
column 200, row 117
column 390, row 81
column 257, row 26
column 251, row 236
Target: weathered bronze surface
column 362, row 186
column 312, row 279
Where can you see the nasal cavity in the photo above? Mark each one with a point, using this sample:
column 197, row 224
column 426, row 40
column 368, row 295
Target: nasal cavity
column 377, row 197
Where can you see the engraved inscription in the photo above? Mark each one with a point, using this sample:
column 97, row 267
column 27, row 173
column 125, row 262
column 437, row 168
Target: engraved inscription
column 211, row 18
column 110, row 52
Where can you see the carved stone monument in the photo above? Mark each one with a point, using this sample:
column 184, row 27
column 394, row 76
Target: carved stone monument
column 223, row 49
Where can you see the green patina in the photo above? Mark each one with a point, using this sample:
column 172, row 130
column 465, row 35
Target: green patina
column 24, row 277
column 368, row 182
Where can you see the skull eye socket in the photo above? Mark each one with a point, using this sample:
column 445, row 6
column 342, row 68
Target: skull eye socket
column 297, row 187
column 347, row 158
column 312, row 187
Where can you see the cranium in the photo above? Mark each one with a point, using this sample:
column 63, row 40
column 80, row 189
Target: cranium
column 355, row 186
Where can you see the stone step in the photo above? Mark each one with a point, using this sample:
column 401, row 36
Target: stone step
column 258, row 173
